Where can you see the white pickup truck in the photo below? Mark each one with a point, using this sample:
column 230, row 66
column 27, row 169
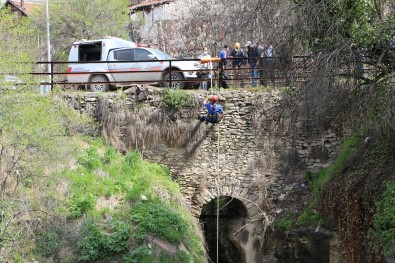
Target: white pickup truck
column 119, row 62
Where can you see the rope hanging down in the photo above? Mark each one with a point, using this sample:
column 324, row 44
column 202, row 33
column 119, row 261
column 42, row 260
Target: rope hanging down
column 210, row 61
column 217, row 168
column 203, row 61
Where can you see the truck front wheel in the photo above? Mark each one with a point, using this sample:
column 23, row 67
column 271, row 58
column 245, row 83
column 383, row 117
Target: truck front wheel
column 175, row 80
column 100, row 87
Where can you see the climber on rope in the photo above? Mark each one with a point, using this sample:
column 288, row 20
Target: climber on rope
column 215, row 113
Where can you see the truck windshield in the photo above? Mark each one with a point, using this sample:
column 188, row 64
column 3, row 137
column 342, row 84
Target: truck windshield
column 160, row 54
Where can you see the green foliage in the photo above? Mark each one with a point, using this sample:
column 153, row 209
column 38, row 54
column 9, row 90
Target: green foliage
column 383, row 233
column 143, row 255
column 80, row 203
column 130, row 177
column 133, row 159
column 19, row 36
column 97, row 243
column 323, row 175
column 156, row 219
column 35, row 140
column 109, row 156
column 179, row 257
column 341, row 19
column 285, row 222
column 139, row 255
column 49, row 242
column 176, row 99
column 91, row 160
column 73, row 20
column 316, row 183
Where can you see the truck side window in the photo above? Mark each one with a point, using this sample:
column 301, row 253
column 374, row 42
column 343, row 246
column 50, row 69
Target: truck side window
column 141, row 54
column 124, row 55
column 90, row 52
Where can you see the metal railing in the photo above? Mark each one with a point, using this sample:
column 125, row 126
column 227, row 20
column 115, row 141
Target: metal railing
column 274, row 71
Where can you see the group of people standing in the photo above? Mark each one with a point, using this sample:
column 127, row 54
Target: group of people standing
column 258, row 58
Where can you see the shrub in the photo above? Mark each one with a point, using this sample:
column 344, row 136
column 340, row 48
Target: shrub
column 139, row 255
column 285, row 222
column 80, row 203
column 157, row 219
column 49, row 242
column 383, row 235
column 109, row 155
column 95, row 243
column 91, row 159
column 176, row 99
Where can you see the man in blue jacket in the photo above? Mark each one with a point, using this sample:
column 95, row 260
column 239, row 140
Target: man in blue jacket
column 215, row 113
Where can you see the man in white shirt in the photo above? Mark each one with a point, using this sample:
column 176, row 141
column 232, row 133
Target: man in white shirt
column 208, row 69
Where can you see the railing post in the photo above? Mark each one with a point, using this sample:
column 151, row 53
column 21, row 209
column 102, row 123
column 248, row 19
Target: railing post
column 221, row 68
column 51, row 79
column 170, row 75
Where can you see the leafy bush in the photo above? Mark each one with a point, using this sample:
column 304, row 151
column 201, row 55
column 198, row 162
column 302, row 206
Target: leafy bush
column 139, row 255
column 284, row 222
column 95, row 243
column 143, row 255
column 133, row 159
column 383, row 235
column 49, row 242
column 91, row 160
column 156, row 219
column 130, row 177
column 109, row 155
column 80, row 203
column 176, row 99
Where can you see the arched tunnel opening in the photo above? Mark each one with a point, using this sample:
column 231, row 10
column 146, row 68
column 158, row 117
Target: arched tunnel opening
column 230, row 210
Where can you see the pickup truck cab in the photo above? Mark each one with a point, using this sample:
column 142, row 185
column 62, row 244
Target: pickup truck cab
column 124, row 63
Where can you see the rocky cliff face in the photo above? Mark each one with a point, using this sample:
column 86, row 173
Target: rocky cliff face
column 251, row 156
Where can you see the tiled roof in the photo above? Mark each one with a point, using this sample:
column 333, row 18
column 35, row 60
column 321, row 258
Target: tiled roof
column 27, row 6
column 140, row 5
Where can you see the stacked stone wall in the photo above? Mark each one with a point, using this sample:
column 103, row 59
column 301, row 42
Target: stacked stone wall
column 249, row 155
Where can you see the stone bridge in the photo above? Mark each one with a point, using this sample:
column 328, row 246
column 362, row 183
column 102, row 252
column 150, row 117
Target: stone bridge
column 250, row 156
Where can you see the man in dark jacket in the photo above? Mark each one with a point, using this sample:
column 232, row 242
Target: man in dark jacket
column 253, row 54
column 238, row 60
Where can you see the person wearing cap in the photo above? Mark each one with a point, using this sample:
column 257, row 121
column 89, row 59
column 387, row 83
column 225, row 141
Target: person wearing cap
column 215, row 112
column 253, row 54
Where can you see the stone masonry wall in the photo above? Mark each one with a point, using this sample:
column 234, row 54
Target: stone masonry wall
column 248, row 156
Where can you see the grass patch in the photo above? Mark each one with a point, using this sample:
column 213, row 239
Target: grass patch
column 107, row 231
column 284, row 222
column 383, row 234
column 316, row 182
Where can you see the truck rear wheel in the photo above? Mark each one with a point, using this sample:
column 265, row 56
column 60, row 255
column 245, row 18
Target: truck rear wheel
column 175, row 80
column 99, row 87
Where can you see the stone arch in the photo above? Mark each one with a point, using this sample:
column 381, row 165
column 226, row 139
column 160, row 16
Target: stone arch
column 232, row 214
column 205, row 196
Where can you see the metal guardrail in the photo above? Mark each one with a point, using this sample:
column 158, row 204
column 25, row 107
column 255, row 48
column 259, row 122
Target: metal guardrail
column 275, row 70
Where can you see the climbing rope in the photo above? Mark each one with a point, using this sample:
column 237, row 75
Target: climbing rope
column 218, row 194
column 210, row 60
column 217, row 168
